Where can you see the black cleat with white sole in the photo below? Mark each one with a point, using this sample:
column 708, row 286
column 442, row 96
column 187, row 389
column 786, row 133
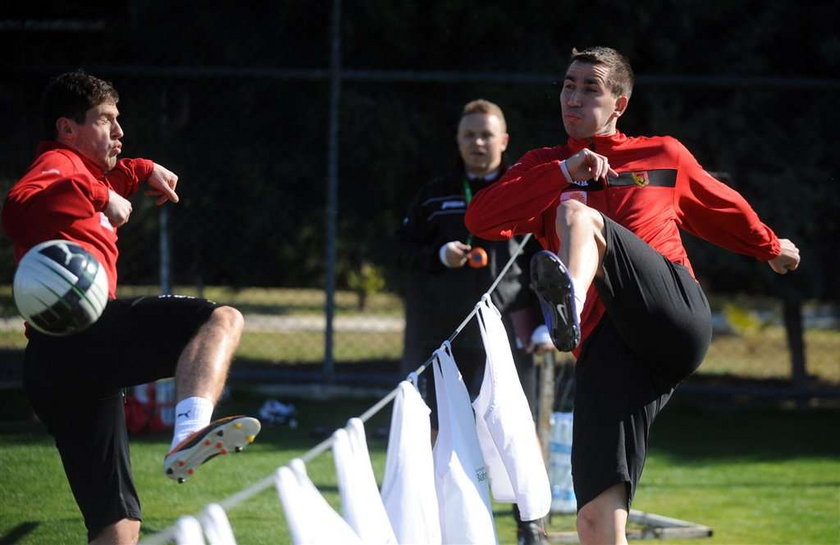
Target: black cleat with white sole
column 553, row 285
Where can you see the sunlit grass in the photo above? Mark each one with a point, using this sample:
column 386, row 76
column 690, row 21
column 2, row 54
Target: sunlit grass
column 308, row 346
column 754, row 476
column 766, row 355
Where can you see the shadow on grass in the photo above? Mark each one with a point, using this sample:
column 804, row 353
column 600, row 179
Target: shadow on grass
column 382, row 373
column 695, row 428
column 738, row 484
column 18, row 532
column 695, row 434
column 688, row 432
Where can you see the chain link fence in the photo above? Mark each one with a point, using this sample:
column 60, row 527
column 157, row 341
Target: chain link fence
column 251, row 150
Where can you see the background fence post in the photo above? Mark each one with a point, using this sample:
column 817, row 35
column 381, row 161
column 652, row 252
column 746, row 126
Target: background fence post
column 163, row 210
column 332, row 192
column 163, row 236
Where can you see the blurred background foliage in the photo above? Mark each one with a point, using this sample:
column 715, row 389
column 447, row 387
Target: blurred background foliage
column 234, row 98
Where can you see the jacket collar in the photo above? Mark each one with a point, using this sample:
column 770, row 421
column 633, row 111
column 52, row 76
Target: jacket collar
column 598, row 143
column 461, row 172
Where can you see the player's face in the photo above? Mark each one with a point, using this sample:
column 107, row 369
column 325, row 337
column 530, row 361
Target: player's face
column 98, row 138
column 589, row 107
column 481, row 141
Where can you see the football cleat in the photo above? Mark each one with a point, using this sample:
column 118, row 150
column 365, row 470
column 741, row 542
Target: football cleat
column 553, row 285
column 225, row 435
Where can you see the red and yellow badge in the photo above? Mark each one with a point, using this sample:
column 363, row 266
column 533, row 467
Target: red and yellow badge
column 640, row 178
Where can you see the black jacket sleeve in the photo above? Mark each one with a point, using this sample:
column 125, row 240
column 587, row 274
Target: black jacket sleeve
column 418, row 238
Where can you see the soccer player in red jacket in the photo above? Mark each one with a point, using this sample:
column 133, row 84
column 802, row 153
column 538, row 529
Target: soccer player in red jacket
column 78, row 190
column 615, row 281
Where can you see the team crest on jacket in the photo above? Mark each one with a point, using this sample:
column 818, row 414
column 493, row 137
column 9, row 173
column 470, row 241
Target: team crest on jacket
column 641, row 179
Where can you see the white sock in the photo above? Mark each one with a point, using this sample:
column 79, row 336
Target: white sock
column 580, row 298
column 191, row 414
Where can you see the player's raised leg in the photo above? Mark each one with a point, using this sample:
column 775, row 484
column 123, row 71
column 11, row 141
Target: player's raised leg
column 561, row 281
column 200, row 378
column 604, row 519
column 122, row 531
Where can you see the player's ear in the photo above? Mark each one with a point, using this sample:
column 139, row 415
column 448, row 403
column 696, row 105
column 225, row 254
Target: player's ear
column 64, row 127
column 621, row 105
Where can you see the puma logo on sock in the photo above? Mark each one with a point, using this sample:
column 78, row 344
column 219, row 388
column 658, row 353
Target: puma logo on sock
column 185, row 415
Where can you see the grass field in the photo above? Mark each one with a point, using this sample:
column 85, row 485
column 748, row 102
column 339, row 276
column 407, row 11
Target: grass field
column 755, row 476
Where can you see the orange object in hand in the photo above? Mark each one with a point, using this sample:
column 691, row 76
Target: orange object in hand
column 477, row 258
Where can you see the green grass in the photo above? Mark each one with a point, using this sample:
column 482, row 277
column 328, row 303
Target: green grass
column 12, row 339
column 308, row 346
column 765, row 355
column 758, row 354
column 754, row 476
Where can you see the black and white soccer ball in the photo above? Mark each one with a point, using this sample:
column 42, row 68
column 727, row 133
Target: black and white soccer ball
column 60, row 288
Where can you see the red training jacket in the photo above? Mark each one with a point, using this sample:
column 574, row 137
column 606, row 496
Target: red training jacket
column 62, row 196
column 661, row 187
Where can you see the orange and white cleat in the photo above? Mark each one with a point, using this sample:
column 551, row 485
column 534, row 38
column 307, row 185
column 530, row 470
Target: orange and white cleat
column 225, row 435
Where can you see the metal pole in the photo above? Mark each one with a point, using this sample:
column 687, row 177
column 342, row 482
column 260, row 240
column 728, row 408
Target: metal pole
column 546, row 402
column 163, row 211
column 332, row 191
column 165, row 254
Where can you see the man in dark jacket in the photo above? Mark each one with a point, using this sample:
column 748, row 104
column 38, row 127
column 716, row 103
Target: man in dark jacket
column 449, row 270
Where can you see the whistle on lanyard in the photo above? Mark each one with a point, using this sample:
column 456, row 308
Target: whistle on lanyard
column 477, row 257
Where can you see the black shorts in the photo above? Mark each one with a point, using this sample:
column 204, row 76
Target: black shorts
column 655, row 333
column 75, row 386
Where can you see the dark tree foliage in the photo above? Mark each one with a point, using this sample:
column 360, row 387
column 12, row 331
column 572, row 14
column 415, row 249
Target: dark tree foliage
column 251, row 146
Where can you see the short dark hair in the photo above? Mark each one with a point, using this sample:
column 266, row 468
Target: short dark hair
column 71, row 95
column 620, row 79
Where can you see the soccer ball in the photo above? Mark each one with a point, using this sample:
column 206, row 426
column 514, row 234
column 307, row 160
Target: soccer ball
column 60, row 288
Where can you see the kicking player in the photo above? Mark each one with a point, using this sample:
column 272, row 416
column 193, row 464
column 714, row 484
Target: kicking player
column 615, row 281
column 78, row 190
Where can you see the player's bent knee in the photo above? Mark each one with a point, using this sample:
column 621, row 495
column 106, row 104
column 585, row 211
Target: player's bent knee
column 229, row 318
column 573, row 212
column 589, row 517
column 571, row 206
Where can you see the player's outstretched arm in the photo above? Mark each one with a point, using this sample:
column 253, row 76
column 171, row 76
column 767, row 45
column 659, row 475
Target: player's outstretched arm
column 515, row 203
column 787, row 260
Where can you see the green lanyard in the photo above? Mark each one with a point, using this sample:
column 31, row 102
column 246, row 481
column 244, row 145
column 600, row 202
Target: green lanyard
column 467, row 198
